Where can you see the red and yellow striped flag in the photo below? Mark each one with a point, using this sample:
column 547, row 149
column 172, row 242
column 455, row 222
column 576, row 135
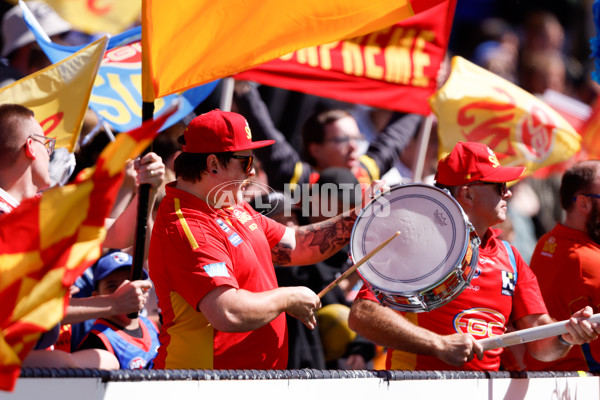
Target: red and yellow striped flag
column 190, row 42
column 48, row 241
column 476, row 105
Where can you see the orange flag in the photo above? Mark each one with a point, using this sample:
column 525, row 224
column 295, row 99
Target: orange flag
column 48, row 241
column 190, row 42
column 476, row 105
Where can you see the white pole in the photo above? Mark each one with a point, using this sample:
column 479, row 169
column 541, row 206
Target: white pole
column 226, row 94
column 423, row 143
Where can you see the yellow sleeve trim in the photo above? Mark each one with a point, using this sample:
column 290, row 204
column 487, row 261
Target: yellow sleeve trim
column 296, row 177
column 371, row 166
column 184, row 225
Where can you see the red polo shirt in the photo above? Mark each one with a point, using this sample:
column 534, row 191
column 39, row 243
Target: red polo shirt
column 194, row 249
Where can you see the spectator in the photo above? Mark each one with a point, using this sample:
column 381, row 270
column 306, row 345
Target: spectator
column 442, row 339
column 566, row 259
column 21, row 55
column 211, row 257
column 133, row 341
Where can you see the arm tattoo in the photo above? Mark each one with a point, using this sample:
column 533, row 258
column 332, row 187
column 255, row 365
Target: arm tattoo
column 281, row 254
column 328, row 236
column 316, row 242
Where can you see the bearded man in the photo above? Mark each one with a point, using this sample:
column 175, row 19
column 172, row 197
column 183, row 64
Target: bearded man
column 566, row 261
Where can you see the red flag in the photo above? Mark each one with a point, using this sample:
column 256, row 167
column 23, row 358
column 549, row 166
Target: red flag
column 48, row 241
column 394, row 68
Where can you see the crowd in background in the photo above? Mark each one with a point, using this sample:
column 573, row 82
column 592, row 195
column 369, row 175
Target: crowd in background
column 536, row 45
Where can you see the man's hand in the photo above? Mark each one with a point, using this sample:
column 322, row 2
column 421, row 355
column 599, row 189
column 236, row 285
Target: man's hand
column 150, row 169
column 458, row 349
column 377, row 187
column 580, row 329
column 130, row 297
column 302, row 304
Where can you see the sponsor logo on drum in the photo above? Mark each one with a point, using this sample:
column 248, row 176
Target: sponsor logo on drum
column 480, row 322
column 439, row 219
column 315, row 200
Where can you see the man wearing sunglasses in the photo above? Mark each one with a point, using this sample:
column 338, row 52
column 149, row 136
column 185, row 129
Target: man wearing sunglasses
column 566, row 260
column 211, row 257
column 25, row 157
column 503, row 290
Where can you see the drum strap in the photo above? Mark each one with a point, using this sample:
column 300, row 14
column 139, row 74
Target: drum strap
column 511, row 257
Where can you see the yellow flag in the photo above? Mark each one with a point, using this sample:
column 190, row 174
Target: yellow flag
column 59, row 94
column 190, row 42
column 476, row 105
column 98, row 16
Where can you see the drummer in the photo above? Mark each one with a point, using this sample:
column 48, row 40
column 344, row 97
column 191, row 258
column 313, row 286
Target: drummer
column 211, row 256
column 502, row 291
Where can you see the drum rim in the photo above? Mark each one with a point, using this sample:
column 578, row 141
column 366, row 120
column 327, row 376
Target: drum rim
column 354, row 252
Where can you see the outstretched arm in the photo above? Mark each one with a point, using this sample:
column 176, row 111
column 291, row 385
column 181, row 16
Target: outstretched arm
column 550, row 349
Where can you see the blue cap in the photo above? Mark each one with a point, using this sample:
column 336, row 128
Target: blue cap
column 110, row 263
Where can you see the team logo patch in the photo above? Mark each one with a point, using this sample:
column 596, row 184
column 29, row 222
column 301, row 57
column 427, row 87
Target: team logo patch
column 217, row 269
column 137, row 363
column 549, row 247
column 235, row 239
column 480, row 322
column 508, row 283
column 223, row 225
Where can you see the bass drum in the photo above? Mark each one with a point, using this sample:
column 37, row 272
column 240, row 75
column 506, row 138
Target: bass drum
column 433, row 259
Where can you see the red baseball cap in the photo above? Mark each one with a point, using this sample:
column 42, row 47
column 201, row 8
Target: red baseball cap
column 219, row 131
column 471, row 161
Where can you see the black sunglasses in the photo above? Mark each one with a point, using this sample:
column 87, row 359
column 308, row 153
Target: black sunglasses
column 248, row 159
column 501, row 187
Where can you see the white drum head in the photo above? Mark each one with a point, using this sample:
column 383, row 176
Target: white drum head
column 432, row 241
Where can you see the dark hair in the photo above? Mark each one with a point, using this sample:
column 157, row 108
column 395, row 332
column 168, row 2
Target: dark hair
column 451, row 189
column 191, row 166
column 313, row 130
column 11, row 115
column 577, row 180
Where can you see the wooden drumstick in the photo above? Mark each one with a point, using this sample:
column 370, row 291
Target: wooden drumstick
column 355, row 266
column 530, row 334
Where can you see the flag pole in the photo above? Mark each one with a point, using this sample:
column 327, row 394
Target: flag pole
column 226, row 93
column 139, row 245
column 423, row 143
